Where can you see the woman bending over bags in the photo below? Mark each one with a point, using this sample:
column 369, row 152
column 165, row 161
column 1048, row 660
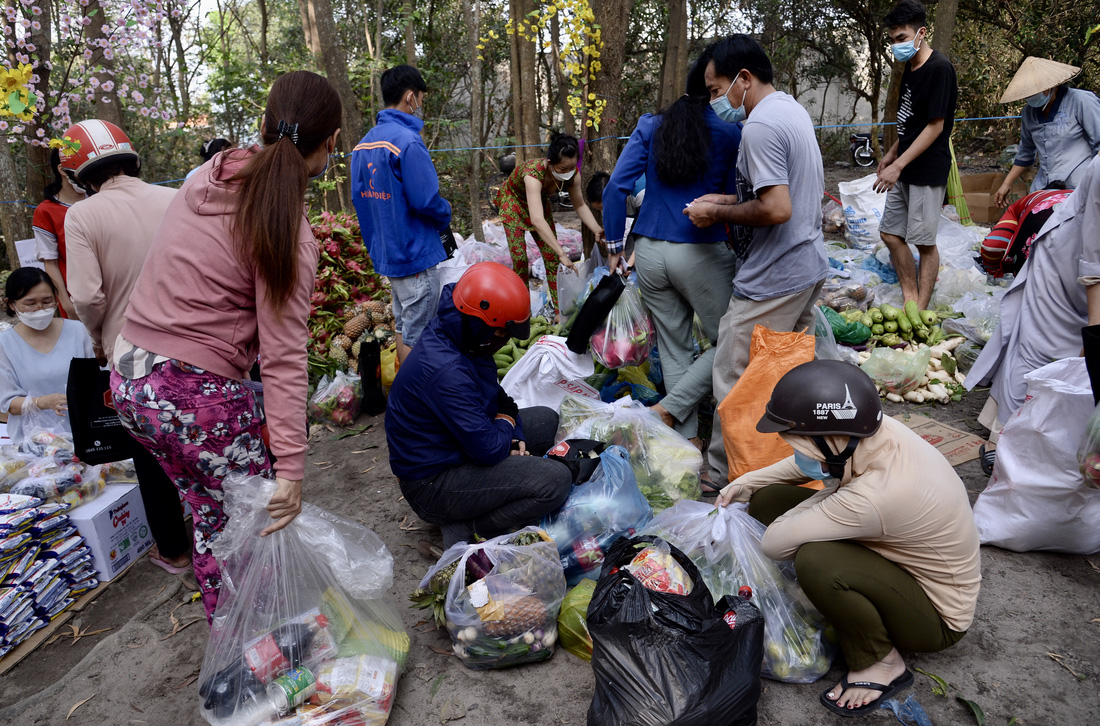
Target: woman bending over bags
column 888, row 551
column 36, row 352
column 229, row 276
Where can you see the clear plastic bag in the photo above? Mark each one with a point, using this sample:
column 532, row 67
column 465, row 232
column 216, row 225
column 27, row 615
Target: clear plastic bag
column 825, row 347
column 503, row 597
column 473, row 251
column 303, row 624
column 1088, row 455
column 666, row 465
column 841, row 294
column 626, row 338
column 897, row 371
column 595, row 514
column 981, row 316
column 45, row 433
column 337, row 399
column 573, row 620
column 724, row 543
column 570, row 287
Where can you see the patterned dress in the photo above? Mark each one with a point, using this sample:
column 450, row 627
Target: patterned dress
column 516, row 218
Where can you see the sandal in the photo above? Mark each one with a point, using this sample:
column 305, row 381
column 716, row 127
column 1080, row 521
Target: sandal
column 986, row 457
column 710, row 489
column 905, row 680
column 168, row 566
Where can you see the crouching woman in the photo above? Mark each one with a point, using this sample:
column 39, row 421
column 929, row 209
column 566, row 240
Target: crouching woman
column 888, row 550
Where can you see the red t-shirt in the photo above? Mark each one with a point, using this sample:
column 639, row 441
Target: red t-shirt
column 1009, row 242
column 49, row 235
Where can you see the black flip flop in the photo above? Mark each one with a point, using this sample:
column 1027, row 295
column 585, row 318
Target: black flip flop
column 986, row 459
column 905, row 680
column 710, row 489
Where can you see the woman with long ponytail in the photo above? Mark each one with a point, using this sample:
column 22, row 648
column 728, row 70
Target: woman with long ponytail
column 684, row 152
column 229, row 277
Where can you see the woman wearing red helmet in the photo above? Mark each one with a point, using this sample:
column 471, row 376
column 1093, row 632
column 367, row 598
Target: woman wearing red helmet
column 458, row 443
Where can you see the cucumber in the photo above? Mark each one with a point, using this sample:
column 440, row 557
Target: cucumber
column 867, row 320
column 913, row 312
column 889, row 311
column 891, row 326
column 904, row 325
column 877, row 329
column 930, row 318
column 876, row 315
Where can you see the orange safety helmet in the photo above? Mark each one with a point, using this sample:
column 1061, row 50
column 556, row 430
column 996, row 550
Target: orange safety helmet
column 495, row 294
column 95, row 141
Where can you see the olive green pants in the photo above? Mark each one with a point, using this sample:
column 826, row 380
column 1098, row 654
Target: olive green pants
column 873, row 604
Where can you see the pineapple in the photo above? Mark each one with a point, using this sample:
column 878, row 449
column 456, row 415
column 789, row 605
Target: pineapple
column 357, row 326
column 435, row 595
column 350, row 312
column 342, row 341
column 355, row 348
column 521, row 614
column 353, row 364
column 544, row 569
column 376, row 308
column 338, row 355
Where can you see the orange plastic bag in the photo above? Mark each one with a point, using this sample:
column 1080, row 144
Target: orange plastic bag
column 771, row 355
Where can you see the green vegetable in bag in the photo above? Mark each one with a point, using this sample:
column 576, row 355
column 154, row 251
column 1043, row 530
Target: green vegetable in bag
column 851, row 333
column 573, row 620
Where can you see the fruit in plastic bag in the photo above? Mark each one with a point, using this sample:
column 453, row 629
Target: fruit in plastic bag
column 573, row 620
column 337, row 399
column 896, row 370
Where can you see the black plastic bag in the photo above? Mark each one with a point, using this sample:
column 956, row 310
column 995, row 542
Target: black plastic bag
column 370, row 376
column 593, row 314
column 98, row 434
column 661, row 659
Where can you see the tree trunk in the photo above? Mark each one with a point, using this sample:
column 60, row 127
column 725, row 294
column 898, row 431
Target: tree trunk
column 39, row 173
column 263, row 33
column 613, row 17
column 473, row 33
column 309, row 28
column 177, row 26
column 410, row 38
column 515, row 11
column 106, row 102
column 890, row 114
column 336, row 68
column 14, row 218
column 559, row 77
column 674, row 66
column 529, row 90
column 944, row 29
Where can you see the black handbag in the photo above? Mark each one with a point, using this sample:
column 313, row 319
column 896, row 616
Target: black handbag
column 98, row 435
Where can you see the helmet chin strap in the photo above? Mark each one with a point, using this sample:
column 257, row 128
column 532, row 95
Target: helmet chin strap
column 836, row 462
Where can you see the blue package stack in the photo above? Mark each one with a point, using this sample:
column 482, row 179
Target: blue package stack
column 44, row 565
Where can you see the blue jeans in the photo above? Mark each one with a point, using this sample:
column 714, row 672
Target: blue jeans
column 415, row 301
column 490, row 500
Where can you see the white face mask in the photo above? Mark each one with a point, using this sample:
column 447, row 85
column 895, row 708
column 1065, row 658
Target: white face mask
column 564, row 177
column 39, row 319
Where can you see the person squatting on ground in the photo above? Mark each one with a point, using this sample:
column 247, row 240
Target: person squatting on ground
column 914, row 171
column 35, row 353
column 776, row 214
column 524, row 203
column 48, row 225
column 1060, row 124
column 888, row 550
column 395, row 191
column 466, row 457
column 230, row 276
column 108, row 236
column 684, row 153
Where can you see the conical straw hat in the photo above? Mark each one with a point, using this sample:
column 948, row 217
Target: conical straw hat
column 1035, row 76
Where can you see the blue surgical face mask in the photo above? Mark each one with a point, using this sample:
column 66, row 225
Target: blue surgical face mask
column 725, row 109
column 811, row 467
column 1039, row 100
column 321, row 173
column 904, row 51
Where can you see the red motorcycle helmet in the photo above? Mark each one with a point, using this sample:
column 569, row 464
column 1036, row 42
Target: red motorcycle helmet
column 495, row 294
column 95, row 142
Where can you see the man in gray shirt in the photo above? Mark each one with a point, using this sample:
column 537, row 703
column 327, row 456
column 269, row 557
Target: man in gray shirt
column 775, row 218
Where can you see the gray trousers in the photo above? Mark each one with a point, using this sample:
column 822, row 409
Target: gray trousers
column 789, row 313
column 677, row 281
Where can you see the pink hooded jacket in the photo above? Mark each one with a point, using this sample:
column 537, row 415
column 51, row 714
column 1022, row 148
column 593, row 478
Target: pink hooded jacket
column 197, row 302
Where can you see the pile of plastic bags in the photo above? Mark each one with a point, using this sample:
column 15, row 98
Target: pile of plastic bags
column 44, row 566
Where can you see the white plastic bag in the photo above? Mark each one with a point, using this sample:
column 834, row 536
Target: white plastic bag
column 473, row 252
column 981, row 316
column 547, row 373
column 863, row 209
column 570, row 287
column 957, row 245
column 665, row 464
column 724, row 543
column 302, row 614
column 502, row 598
column 1037, row 498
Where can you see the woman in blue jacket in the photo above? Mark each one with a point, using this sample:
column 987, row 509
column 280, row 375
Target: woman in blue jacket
column 683, row 270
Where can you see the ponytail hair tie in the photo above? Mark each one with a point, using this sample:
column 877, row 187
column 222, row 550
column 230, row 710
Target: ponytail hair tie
column 290, row 130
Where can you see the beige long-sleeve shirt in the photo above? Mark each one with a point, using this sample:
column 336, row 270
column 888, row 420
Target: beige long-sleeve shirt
column 107, row 238
column 900, row 498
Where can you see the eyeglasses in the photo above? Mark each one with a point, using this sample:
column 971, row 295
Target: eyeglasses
column 33, row 306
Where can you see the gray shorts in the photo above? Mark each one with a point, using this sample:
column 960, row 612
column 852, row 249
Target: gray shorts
column 415, row 301
column 913, row 213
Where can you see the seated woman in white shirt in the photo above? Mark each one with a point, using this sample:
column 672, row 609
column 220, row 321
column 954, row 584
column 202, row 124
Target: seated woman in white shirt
column 36, row 351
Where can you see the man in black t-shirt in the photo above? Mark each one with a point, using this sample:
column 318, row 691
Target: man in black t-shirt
column 915, row 169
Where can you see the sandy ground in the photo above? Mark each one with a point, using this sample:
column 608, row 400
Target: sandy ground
column 138, row 672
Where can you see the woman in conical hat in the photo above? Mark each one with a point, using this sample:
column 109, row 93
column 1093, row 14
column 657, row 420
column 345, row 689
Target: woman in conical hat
column 1061, row 125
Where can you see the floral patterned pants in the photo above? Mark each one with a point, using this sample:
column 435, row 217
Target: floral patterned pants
column 201, row 427
column 517, row 247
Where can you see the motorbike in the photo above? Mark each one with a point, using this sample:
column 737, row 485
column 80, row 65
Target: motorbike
column 862, row 152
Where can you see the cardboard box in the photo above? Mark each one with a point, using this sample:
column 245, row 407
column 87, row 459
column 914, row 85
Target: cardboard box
column 115, row 527
column 958, row 447
column 979, row 190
